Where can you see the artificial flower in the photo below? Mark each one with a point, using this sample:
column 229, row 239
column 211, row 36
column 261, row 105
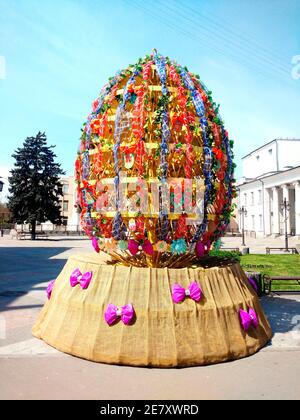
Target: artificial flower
column 95, row 125
column 123, row 245
column 181, row 228
column 202, row 248
column 132, row 225
column 218, row 153
column 178, row 246
column 130, row 88
column 110, row 244
column 101, row 243
column 161, row 246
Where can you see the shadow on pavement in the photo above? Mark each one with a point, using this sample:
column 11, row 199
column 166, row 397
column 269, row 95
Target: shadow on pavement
column 21, row 268
column 68, row 238
column 283, row 312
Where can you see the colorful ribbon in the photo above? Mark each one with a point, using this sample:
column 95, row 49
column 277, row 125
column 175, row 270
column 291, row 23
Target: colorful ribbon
column 122, row 121
column 200, row 110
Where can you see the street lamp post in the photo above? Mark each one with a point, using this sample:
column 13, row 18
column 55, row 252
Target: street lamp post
column 243, row 213
column 285, row 206
column 2, row 218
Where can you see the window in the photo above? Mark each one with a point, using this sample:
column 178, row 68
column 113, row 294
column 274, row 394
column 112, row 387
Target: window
column 253, row 222
column 65, row 206
column 252, row 198
column 66, row 188
column 270, row 151
column 259, row 196
column 260, row 222
column 245, row 199
column 257, row 157
column 64, row 221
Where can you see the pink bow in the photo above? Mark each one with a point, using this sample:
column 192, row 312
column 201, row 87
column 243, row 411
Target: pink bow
column 248, row 318
column 112, row 313
column 179, row 293
column 78, row 278
column 95, row 244
column 202, row 248
column 135, row 246
column 49, row 288
column 253, row 283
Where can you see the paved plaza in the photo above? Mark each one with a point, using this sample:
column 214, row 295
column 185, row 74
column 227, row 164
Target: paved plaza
column 31, row 369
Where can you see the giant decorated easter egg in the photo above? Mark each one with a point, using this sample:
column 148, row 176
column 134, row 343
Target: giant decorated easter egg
column 154, row 167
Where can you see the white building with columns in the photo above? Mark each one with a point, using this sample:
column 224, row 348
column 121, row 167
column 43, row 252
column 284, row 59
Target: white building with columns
column 271, row 174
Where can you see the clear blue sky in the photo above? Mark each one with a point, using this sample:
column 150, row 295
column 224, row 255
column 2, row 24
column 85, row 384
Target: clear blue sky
column 58, row 55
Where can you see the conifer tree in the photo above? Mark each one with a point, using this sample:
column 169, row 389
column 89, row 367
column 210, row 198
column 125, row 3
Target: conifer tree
column 34, row 183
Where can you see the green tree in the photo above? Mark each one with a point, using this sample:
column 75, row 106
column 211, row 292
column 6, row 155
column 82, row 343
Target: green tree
column 34, row 183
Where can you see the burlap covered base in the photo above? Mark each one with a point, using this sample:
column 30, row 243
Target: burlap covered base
column 162, row 333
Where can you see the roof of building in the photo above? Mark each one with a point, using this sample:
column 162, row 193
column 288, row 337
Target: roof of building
column 270, row 142
column 268, row 175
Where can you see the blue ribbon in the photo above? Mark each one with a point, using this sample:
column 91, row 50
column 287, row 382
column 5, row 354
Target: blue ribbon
column 160, row 64
column 86, row 156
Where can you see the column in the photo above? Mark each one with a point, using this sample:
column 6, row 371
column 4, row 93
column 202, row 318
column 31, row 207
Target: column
column 286, row 195
column 267, row 211
column 297, row 207
column 276, row 215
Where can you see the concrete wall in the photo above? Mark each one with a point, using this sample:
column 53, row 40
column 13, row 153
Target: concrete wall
column 277, row 155
column 288, row 153
column 260, row 162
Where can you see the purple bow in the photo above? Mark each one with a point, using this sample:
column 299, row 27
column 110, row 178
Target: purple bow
column 179, row 293
column 248, row 318
column 112, row 313
column 78, row 278
column 49, row 288
column 253, row 283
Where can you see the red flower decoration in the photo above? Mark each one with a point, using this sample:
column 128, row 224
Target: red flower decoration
column 218, row 153
column 95, row 104
column 182, row 229
column 95, row 125
column 130, row 88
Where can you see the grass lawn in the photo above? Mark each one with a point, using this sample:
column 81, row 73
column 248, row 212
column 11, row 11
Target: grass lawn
column 274, row 265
